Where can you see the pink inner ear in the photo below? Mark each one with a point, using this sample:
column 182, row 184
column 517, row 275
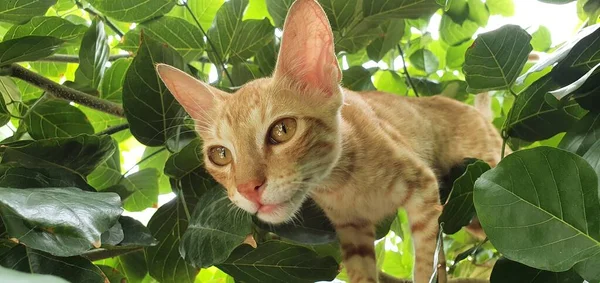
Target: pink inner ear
column 307, row 53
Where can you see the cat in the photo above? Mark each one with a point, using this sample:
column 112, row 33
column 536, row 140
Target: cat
column 359, row 155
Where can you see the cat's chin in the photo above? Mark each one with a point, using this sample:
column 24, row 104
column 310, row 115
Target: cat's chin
column 281, row 213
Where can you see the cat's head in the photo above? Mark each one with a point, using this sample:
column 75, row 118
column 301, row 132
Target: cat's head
column 274, row 139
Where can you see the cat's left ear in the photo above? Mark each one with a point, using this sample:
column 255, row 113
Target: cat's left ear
column 196, row 97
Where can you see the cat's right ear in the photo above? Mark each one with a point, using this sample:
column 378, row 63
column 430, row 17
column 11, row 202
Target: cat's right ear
column 196, row 97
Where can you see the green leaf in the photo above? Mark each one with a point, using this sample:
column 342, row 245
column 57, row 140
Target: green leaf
column 112, row 83
column 56, row 118
column 455, row 33
column 411, row 9
column 10, row 93
column 93, row 55
column 244, row 72
column 156, row 157
column 142, row 187
column 132, row 265
column 266, row 58
column 213, row 232
column 113, row 275
column 532, row 118
column 558, row 192
column 582, row 135
column 278, row 10
column 496, row 58
column 80, row 154
column 236, row 40
column 167, row 225
column 390, row 81
column 135, row 233
column 455, row 55
column 72, row 269
column 47, row 26
column 151, row 110
column 425, row 60
column 178, row 33
column 112, row 236
column 20, row 11
column 459, row 210
column 312, row 227
column 357, row 36
column 427, row 87
column 13, row 175
column 541, row 39
column 29, row 215
column 392, row 32
column 506, row 271
column 358, row 78
column 28, row 48
column 17, row 276
column 133, row 10
column 281, row 265
column 204, row 11
column 504, row 8
column 478, row 12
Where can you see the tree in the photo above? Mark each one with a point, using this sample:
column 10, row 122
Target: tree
column 79, row 89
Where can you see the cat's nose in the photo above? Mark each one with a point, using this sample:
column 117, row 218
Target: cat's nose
column 252, row 190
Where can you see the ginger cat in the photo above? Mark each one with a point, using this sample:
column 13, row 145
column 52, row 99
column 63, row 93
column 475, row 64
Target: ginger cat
column 360, row 156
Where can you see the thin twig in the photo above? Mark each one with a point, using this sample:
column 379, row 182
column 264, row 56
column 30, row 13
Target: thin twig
column 406, row 70
column 75, row 59
column 101, row 254
column 113, row 130
column 221, row 62
column 102, row 17
column 61, row 91
column 142, row 161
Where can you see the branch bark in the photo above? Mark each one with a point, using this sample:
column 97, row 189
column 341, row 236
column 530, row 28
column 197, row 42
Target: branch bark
column 75, row 59
column 113, row 130
column 60, row 91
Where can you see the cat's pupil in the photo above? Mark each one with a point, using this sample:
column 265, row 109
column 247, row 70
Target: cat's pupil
column 283, row 128
column 221, row 151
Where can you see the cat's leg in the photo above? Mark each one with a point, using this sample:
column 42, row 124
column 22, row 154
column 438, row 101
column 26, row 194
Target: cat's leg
column 358, row 251
column 422, row 204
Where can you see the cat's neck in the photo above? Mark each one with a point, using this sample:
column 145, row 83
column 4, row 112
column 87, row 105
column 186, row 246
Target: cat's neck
column 345, row 166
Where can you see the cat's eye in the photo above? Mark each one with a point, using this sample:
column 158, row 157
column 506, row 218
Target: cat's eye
column 219, row 155
column 282, row 130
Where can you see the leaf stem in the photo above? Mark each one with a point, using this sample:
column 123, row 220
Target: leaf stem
column 221, row 62
column 142, row 161
column 75, row 59
column 100, row 254
column 113, row 130
column 61, row 91
column 406, row 70
column 102, row 17
column 184, row 204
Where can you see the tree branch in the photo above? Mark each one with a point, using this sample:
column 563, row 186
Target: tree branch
column 60, row 91
column 406, row 70
column 113, row 129
column 75, row 59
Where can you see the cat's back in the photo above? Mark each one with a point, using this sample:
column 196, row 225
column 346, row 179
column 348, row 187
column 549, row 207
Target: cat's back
column 440, row 130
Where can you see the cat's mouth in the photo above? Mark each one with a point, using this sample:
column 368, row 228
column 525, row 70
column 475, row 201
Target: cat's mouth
column 281, row 212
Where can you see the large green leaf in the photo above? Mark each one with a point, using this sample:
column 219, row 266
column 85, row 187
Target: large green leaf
column 10, row 95
column 187, row 166
column 580, row 138
column 236, row 40
column 178, row 33
column 151, row 110
column 80, row 154
column 398, row 9
column 276, row 261
column 496, row 58
column 506, row 271
column 47, row 26
column 357, row 36
column 56, row 118
column 13, row 175
column 135, row 233
column 312, row 227
column 93, row 55
column 393, row 30
column 455, row 33
column 72, row 269
column 20, row 11
column 425, row 60
column 278, row 10
column 156, row 157
column 133, row 10
column 541, row 39
column 30, row 216
column 18, row 276
column 28, row 48
column 108, row 173
column 504, row 8
column 214, row 230
column 557, row 191
column 459, row 209
column 112, row 83
column 203, row 10
column 142, row 187
column 167, row 225
column 533, row 118
column 390, row 81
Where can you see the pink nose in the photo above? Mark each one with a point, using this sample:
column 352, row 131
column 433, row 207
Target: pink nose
column 251, row 190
